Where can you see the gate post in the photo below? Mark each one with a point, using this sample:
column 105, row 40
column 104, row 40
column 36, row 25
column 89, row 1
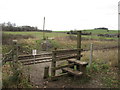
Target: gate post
column 79, row 48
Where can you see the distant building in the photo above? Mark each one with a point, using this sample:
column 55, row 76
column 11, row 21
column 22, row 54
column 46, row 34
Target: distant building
column 119, row 15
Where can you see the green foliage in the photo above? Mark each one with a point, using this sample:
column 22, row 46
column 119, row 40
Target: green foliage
column 106, row 75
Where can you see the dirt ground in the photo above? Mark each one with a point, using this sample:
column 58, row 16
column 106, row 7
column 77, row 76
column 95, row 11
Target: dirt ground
column 36, row 78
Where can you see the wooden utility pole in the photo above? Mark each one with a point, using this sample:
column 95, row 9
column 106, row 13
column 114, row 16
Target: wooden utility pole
column 79, row 44
column 44, row 29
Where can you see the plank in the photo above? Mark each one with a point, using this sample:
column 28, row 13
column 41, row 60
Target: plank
column 30, row 55
column 52, row 78
column 78, row 62
column 73, row 72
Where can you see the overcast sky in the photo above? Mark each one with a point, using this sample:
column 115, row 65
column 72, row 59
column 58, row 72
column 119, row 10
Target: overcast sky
column 61, row 14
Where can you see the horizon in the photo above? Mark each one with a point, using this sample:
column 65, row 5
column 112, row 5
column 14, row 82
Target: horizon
column 61, row 15
column 57, row 30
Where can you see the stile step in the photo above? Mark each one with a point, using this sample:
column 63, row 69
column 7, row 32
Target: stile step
column 78, row 62
column 73, row 72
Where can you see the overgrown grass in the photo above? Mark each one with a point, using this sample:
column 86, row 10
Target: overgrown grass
column 103, row 56
column 104, row 66
column 38, row 34
column 13, row 76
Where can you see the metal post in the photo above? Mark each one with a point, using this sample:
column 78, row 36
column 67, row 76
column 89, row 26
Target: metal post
column 91, row 54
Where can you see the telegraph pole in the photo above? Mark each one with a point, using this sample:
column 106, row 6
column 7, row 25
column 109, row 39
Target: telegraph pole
column 44, row 29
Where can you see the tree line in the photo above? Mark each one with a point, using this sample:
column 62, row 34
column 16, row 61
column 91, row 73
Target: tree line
column 12, row 27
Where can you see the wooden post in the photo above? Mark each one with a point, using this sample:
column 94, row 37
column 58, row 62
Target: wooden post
column 91, row 54
column 79, row 44
column 79, row 47
column 15, row 51
column 46, row 72
column 53, row 71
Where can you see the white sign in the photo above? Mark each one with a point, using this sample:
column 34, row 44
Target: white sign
column 34, row 52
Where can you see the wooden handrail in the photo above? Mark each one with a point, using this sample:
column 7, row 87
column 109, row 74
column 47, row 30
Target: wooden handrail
column 66, row 51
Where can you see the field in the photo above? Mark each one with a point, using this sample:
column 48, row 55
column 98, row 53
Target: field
column 105, row 56
column 63, row 33
column 99, row 31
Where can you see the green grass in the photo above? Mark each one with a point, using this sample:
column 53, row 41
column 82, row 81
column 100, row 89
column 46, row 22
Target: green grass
column 101, row 31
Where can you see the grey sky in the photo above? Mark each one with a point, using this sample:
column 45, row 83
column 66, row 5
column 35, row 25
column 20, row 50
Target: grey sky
column 61, row 14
